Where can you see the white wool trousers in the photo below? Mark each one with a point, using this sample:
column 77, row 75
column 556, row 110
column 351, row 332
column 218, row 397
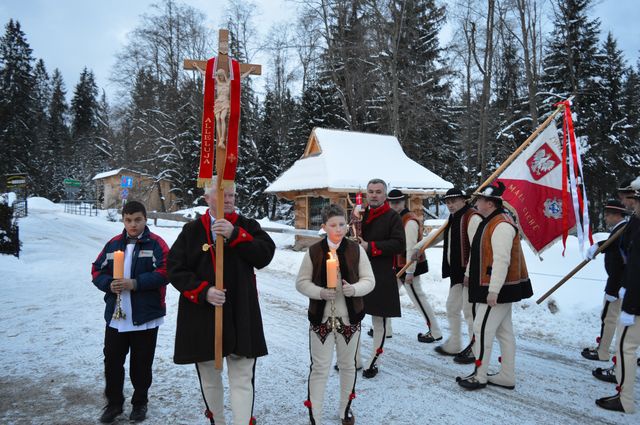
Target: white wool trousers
column 455, row 310
column 322, row 344
column 241, row 372
column 469, row 310
column 379, row 337
column 490, row 323
column 419, row 299
column 628, row 341
column 609, row 322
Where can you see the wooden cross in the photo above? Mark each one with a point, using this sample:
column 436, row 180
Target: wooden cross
column 223, row 53
column 221, row 155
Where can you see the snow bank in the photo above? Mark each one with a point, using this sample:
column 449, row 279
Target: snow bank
column 43, row 204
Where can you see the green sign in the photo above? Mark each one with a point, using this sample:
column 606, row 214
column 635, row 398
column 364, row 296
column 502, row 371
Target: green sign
column 71, row 182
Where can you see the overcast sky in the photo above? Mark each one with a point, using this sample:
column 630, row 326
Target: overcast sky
column 72, row 34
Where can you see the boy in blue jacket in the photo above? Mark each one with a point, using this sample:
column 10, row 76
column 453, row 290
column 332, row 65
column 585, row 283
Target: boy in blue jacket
column 132, row 324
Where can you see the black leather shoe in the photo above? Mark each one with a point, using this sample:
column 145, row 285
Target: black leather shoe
column 606, row 375
column 611, row 403
column 370, row 373
column 351, row 420
column 471, row 383
column 592, row 354
column 427, row 338
column 442, row 351
column 465, row 356
column 111, row 412
column 471, row 375
column 138, row 413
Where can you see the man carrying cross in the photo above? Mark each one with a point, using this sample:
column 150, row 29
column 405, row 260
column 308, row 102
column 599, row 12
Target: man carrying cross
column 213, row 261
column 191, row 271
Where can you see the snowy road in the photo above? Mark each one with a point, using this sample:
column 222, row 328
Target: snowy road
column 51, row 331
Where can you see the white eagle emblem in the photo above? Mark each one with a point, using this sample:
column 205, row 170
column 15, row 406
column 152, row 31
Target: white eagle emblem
column 542, row 162
column 553, row 208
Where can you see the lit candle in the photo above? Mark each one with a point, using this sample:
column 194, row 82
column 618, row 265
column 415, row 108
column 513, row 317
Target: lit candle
column 332, row 271
column 118, row 265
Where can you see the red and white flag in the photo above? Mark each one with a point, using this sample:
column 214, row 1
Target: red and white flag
column 536, row 189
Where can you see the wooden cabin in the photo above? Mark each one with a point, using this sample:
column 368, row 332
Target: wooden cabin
column 155, row 195
column 337, row 164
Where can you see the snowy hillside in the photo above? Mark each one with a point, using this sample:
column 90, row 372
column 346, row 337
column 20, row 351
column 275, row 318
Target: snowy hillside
column 52, row 328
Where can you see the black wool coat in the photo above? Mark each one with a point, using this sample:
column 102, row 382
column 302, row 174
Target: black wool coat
column 614, row 264
column 191, row 272
column 386, row 238
column 631, row 300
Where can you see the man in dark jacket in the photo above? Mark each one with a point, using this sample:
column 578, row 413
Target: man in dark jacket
column 135, row 308
column 455, row 257
column 614, row 217
column 626, row 195
column 628, row 331
column 191, row 271
column 382, row 239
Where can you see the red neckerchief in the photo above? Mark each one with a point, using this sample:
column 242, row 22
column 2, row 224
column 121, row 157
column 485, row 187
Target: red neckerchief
column 377, row 212
column 206, row 222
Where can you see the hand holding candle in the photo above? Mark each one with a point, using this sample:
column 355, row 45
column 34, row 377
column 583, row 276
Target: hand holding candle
column 332, row 271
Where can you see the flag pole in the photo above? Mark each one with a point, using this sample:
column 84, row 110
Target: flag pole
column 490, row 179
column 576, row 269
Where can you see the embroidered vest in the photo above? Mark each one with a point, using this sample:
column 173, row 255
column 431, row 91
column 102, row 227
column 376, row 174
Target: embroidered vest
column 349, row 259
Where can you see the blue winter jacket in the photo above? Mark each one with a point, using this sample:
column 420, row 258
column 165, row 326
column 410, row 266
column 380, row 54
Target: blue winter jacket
column 148, row 268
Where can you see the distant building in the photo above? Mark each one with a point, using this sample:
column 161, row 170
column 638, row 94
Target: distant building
column 155, row 194
column 338, row 164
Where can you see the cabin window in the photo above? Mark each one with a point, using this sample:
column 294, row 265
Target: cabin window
column 316, row 204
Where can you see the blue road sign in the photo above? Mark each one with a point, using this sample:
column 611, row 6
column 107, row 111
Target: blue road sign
column 126, row 182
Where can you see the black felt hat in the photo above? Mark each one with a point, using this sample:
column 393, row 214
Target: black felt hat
column 616, row 206
column 455, row 193
column 625, row 186
column 492, row 191
column 396, row 196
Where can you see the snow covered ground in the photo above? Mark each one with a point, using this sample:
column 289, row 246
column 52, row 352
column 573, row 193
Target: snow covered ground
column 51, row 331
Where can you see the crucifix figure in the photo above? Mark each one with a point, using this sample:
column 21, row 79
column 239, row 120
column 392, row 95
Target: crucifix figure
column 222, row 105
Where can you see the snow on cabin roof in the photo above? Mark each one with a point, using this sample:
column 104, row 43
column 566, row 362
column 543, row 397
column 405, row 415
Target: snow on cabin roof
column 106, row 174
column 344, row 161
column 110, row 173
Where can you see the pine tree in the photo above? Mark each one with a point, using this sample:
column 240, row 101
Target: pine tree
column 58, row 135
column 88, row 156
column 17, row 137
column 42, row 164
column 346, row 61
column 631, row 107
column 418, row 96
column 611, row 153
column 572, row 66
